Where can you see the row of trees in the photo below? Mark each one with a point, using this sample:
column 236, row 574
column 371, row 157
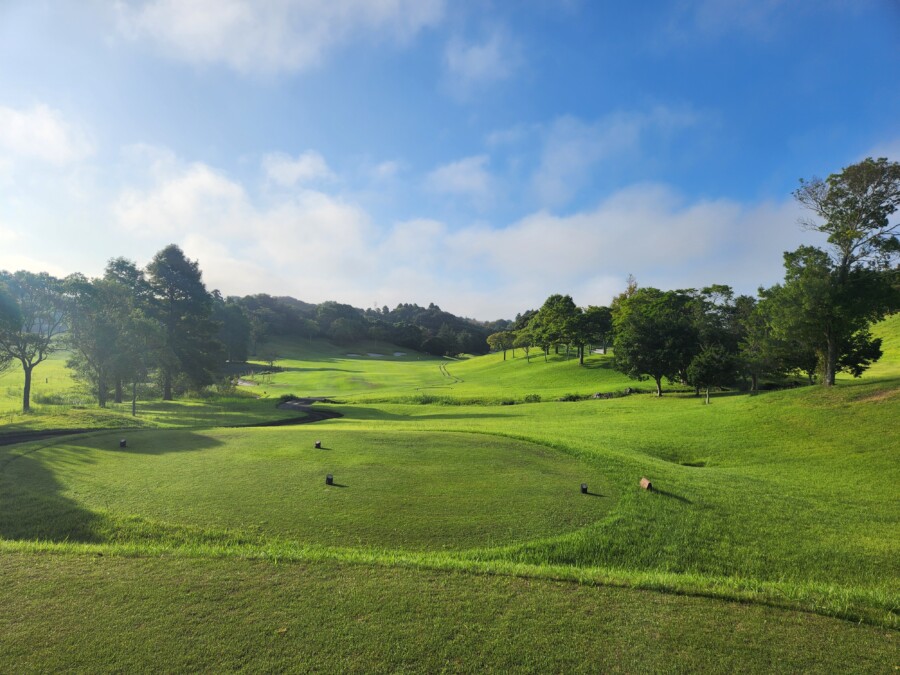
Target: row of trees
column 816, row 322
column 118, row 328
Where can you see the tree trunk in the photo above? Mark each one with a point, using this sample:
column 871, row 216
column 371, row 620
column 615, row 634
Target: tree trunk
column 658, row 385
column 581, row 355
column 504, row 355
column 167, row 386
column 134, row 399
column 118, row 398
column 831, row 355
column 26, row 389
column 707, row 396
column 101, row 391
column 754, row 382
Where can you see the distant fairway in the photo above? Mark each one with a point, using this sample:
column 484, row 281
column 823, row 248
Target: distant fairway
column 416, row 490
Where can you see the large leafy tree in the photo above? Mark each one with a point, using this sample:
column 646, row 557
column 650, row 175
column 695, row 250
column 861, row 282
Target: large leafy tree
column 34, row 321
column 182, row 305
column 856, row 210
column 822, row 317
column 654, row 335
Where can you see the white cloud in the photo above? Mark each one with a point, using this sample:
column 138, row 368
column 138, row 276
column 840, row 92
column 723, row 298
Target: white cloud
column 272, row 36
column 318, row 246
column 184, row 199
column 474, row 65
column 466, row 176
column 286, row 171
column 41, row 133
column 573, row 147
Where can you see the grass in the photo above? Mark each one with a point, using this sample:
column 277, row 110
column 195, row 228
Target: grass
column 460, row 540
column 432, row 491
column 325, row 616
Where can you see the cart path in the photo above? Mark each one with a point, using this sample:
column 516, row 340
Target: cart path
column 304, row 405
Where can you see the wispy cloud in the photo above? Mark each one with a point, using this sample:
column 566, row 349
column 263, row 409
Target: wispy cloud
column 473, row 65
column 467, row 177
column 307, row 167
column 572, row 147
column 269, row 37
column 41, row 133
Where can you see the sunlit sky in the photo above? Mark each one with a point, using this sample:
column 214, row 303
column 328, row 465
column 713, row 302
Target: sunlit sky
column 478, row 155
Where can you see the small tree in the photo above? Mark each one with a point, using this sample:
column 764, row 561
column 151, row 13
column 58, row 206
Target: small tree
column 30, row 331
column 713, row 366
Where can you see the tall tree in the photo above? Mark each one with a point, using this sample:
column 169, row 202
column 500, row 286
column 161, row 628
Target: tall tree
column 181, row 303
column 98, row 310
column 855, row 209
column 31, row 332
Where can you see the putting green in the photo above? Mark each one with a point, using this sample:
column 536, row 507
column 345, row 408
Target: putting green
column 412, row 490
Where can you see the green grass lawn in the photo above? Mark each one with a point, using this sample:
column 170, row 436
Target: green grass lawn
column 456, row 537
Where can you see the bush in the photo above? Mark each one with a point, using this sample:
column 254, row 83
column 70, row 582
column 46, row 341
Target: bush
column 570, row 397
column 284, row 398
column 532, row 398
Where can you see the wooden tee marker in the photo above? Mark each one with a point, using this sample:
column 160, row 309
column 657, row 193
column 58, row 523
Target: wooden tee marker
column 646, row 484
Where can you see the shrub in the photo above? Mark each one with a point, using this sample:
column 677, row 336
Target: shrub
column 532, row 398
column 284, row 398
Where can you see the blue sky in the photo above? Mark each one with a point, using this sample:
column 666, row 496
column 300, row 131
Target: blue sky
column 479, row 155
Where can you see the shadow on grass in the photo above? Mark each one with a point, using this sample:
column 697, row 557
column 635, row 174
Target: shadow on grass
column 671, row 495
column 33, row 503
column 357, row 412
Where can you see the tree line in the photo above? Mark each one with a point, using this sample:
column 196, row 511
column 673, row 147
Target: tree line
column 160, row 325
column 816, row 322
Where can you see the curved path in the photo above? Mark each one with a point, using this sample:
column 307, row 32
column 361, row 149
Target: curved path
column 303, row 405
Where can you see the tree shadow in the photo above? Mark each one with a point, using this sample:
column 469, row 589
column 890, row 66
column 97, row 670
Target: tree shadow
column 358, row 412
column 33, row 503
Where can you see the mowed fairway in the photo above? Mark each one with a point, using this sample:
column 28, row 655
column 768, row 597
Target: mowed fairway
column 456, row 537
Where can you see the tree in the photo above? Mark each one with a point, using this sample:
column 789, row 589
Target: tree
column 855, row 207
column 97, row 313
column 234, row 329
column 822, row 317
column 182, row 305
column 598, row 325
column 128, row 275
column 713, row 366
column 10, row 319
column 30, row 332
column 524, row 340
column 654, row 335
column 554, row 323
